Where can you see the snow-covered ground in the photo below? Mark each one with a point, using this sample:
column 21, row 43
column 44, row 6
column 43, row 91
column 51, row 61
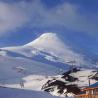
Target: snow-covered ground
column 16, row 93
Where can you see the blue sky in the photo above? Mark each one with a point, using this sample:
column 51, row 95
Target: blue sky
column 75, row 21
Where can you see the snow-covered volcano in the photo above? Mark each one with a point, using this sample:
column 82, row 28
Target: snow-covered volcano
column 50, row 47
column 37, row 62
column 51, row 43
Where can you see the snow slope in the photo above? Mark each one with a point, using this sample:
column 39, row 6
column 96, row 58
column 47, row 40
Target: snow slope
column 33, row 74
column 15, row 70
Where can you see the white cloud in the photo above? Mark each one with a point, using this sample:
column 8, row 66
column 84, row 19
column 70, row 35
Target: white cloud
column 17, row 14
column 11, row 17
column 67, row 15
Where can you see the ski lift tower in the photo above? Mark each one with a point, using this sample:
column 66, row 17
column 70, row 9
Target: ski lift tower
column 72, row 66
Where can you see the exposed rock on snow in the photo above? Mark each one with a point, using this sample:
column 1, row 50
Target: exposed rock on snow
column 70, row 82
column 60, row 88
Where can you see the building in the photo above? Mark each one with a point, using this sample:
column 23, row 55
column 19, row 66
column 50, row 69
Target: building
column 89, row 92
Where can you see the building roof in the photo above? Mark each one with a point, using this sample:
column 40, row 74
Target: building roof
column 91, row 87
column 94, row 85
